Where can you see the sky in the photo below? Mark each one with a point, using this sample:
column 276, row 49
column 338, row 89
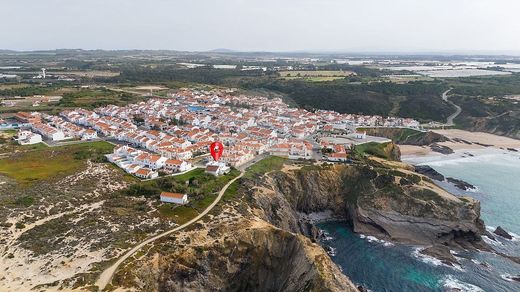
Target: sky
column 263, row 25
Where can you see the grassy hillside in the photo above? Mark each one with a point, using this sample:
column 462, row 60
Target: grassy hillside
column 406, row 136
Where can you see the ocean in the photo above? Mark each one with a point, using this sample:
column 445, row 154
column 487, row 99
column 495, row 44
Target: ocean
column 383, row 266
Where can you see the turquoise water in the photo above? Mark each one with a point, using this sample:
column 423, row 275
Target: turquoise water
column 497, row 177
column 381, row 266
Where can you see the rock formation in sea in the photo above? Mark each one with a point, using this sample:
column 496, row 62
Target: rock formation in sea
column 460, row 184
column 429, row 172
column 501, row 232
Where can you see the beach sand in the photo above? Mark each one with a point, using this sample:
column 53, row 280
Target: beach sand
column 475, row 138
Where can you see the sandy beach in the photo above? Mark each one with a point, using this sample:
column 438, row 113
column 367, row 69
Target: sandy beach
column 467, row 141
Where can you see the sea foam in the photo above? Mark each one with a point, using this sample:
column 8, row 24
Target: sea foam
column 453, row 284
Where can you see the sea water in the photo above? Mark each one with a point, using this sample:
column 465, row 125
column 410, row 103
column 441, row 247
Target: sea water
column 382, row 266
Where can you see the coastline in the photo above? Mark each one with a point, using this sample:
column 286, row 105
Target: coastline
column 461, row 141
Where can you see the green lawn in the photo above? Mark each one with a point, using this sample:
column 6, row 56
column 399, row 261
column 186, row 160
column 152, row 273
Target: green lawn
column 202, row 190
column 43, row 162
column 372, row 148
column 231, row 191
column 265, row 165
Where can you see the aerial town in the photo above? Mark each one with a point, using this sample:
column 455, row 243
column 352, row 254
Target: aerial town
column 162, row 135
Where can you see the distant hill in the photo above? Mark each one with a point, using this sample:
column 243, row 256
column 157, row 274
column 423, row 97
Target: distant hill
column 221, row 50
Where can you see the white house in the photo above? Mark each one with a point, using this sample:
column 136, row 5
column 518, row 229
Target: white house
column 28, row 138
column 155, row 161
column 217, row 168
column 176, row 198
column 360, row 135
column 176, row 165
column 146, row 173
column 89, row 135
column 337, row 157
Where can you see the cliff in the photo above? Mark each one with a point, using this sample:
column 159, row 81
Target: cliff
column 407, row 136
column 261, row 240
column 235, row 255
column 376, row 199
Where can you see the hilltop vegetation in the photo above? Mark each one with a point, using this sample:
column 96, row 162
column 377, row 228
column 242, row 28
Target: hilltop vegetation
column 406, row 136
column 418, row 99
column 41, row 163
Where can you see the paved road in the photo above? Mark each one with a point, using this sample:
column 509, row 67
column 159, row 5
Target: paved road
column 449, row 120
column 107, row 274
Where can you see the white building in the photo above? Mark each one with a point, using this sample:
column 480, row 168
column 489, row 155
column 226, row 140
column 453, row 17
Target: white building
column 176, row 198
column 337, row 157
column 89, row 135
column 28, row 138
column 176, row 165
column 146, row 173
column 217, row 168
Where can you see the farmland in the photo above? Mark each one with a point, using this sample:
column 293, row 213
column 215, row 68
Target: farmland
column 41, row 163
column 315, row 76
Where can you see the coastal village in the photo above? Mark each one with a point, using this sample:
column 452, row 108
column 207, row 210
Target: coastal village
column 164, row 135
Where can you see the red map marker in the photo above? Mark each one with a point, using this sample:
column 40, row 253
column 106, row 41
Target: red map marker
column 216, row 149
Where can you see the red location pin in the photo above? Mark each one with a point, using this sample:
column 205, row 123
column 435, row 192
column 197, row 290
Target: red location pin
column 216, row 149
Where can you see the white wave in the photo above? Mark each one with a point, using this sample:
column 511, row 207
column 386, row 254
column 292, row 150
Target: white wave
column 484, row 155
column 491, row 229
column 515, row 236
column 326, row 236
column 373, row 239
column 474, row 189
column 331, row 251
column 491, row 241
column 451, row 283
column 508, row 277
column 425, row 258
column 433, row 261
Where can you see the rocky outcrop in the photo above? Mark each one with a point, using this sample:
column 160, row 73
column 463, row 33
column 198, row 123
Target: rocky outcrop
column 442, row 253
column 264, row 243
column 433, row 174
column 460, row 184
column 501, row 232
column 242, row 256
column 407, row 136
column 441, row 149
column 375, row 202
column 429, row 172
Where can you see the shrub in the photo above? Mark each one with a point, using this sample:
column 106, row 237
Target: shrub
column 24, row 201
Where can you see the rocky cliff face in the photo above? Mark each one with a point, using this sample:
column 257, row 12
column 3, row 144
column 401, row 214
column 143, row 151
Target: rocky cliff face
column 397, row 205
column 258, row 257
column 261, row 240
column 234, row 250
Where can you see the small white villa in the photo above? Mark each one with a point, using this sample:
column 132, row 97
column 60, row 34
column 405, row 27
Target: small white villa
column 176, row 198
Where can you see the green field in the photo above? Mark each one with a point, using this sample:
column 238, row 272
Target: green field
column 265, row 165
column 317, row 73
column 202, row 190
column 43, row 162
column 381, row 150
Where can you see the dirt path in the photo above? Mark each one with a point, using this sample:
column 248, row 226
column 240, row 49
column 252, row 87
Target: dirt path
column 458, row 109
column 107, row 274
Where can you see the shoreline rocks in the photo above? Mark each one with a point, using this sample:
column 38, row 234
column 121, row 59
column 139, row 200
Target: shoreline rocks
column 441, row 149
column 441, row 253
column 429, row 172
column 433, row 174
column 501, row 232
column 461, row 184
